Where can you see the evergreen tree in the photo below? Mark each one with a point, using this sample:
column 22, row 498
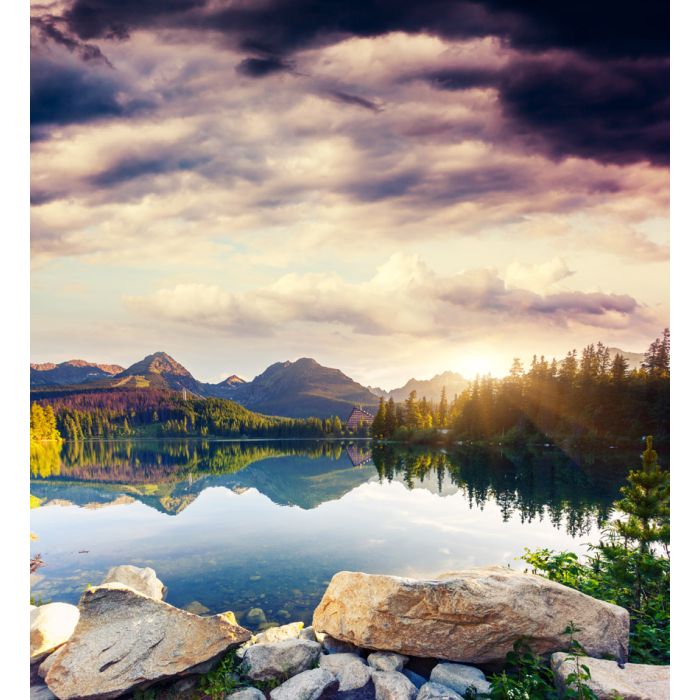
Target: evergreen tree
column 443, row 409
column 390, row 419
column 379, row 422
column 412, row 417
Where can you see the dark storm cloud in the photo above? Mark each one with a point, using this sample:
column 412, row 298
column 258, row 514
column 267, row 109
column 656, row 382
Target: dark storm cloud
column 616, row 112
column 260, row 67
column 356, row 100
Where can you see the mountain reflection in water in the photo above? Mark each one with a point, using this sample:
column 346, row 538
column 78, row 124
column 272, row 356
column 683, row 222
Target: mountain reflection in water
column 231, row 541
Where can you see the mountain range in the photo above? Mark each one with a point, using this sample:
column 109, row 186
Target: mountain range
column 297, row 389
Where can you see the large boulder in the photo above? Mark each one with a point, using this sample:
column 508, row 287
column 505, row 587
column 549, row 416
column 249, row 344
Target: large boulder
column 609, row 681
column 473, row 616
column 126, row 640
column 50, row 626
column 309, row 685
column 142, row 580
column 461, row 678
column 280, row 660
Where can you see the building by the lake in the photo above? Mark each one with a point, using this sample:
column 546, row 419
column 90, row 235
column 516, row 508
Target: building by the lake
column 357, row 417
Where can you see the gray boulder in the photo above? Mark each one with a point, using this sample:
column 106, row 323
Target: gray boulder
column 392, row 685
column 437, row 691
column 308, row 633
column 280, row 660
column 414, row 677
column 142, row 579
column 461, row 678
column 387, row 661
column 309, row 685
column 246, row 694
column 126, row 640
column 353, row 674
column 50, row 626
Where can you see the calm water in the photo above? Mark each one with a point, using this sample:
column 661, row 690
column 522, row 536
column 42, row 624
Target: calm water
column 240, row 525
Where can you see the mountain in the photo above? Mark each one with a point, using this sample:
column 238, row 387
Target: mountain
column 300, row 389
column 232, row 381
column 70, row 372
column 635, row 359
column 430, row 388
column 157, row 371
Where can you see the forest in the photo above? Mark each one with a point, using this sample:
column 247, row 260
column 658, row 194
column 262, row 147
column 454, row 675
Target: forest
column 582, row 399
column 162, row 413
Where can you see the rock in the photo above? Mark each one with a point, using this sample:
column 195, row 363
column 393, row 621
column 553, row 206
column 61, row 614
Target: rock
column 40, row 692
column 308, row 633
column 142, row 580
column 50, row 626
column 387, row 661
column 184, row 685
column 473, row 616
column 353, row 674
column 309, row 685
column 246, row 694
column 256, row 616
column 392, row 685
column 608, row 680
column 196, row 608
column 279, row 634
column 126, row 640
column 46, row 664
column 437, row 691
column 263, row 662
column 414, row 677
column 337, row 646
column 461, row 678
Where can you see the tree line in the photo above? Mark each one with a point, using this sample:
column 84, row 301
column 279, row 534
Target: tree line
column 588, row 397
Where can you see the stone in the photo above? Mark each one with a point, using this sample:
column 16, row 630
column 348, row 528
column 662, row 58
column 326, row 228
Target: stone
column 474, row 616
column 142, row 580
column 246, row 694
column 437, row 691
column 46, row 664
column 196, row 608
column 460, row 678
column 414, row 677
column 50, row 626
column 256, row 616
column 387, row 661
column 353, row 674
column 126, row 640
column 392, row 685
column 308, row 633
column 336, row 646
column 264, row 662
column 279, row 634
column 40, row 692
column 309, row 685
column 608, row 680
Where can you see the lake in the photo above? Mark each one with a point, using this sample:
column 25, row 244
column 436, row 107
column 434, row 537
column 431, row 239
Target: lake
column 238, row 525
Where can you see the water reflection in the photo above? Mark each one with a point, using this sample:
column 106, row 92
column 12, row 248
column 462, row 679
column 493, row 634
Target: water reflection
column 242, row 525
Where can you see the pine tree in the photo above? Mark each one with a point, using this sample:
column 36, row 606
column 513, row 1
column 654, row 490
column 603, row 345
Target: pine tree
column 379, row 422
column 443, row 409
column 412, row 415
column 390, row 420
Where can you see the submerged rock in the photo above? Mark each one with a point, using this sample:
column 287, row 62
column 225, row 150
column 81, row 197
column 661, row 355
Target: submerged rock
column 196, row 608
column 309, row 685
column 50, row 626
column 609, row 681
column 142, row 579
column 256, row 616
column 126, row 640
column 392, row 685
column 461, row 678
column 472, row 616
column 264, row 662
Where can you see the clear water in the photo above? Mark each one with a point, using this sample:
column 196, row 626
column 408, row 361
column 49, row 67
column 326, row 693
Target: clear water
column 241, row 525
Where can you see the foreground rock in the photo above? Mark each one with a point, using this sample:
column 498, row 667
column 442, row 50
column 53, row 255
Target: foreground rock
column 609, row 681
column 142, row 580
column 279, row 634
column 50, row 626
column 436, row 691
column 309, row 685
column 353, row 674
column 126, row 640
column 473, row 616
column 461, row 678
column 246, row 694
column 387, row 661
column 392, row 685
column 281, row 660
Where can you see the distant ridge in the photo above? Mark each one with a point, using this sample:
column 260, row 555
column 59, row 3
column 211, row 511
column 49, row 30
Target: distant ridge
column 453, row 383
column 70, row 372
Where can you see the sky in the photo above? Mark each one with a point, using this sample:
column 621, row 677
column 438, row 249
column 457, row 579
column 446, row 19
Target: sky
column 393, row 188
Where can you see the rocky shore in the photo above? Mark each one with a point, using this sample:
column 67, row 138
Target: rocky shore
column 373, row 637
